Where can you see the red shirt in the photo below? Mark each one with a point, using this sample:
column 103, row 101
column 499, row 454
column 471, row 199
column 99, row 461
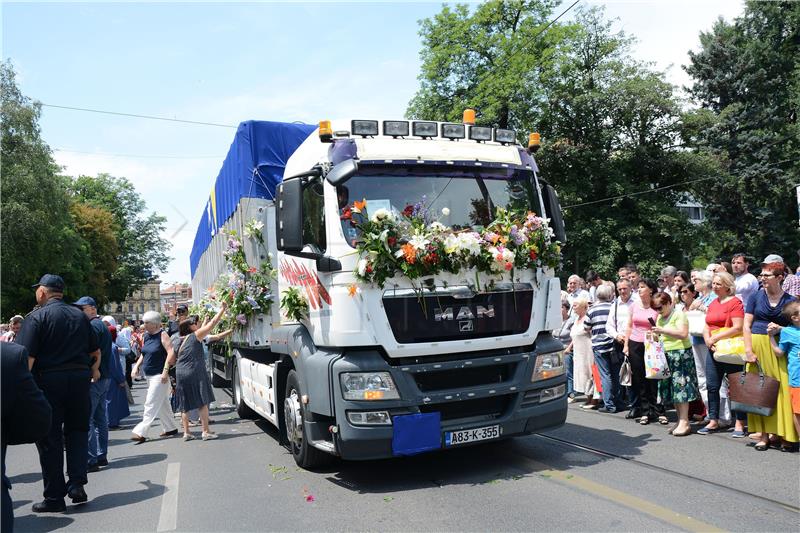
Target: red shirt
column 720, row 315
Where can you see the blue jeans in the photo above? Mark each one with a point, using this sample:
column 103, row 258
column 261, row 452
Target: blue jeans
column 98, row 420
column 568, row 364
column 608, row 366
column 715, row 371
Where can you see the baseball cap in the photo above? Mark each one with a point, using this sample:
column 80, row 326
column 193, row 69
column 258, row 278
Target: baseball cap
column 772, row 258
column 86, row 300
column 183, row 309
column 51, row 281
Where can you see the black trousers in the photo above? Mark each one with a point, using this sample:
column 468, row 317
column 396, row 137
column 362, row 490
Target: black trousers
column 647, row 389
column 68, row 394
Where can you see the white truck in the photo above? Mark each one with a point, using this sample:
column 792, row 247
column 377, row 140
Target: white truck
column 396, row 368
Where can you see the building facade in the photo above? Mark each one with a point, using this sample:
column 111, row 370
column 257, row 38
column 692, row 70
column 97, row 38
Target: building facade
column 147, row 298
column 174, row 295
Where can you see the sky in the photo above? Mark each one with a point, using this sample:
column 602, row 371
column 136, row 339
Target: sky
column 226, row 63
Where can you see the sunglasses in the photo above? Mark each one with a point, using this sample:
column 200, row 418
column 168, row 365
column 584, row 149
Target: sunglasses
column 685, row 291
column 658, row 308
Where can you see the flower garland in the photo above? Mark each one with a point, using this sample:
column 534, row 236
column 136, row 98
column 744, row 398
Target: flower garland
column 245, row 288
column 415, row 246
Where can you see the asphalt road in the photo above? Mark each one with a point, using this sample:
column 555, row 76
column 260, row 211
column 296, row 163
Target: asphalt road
column 597, row 473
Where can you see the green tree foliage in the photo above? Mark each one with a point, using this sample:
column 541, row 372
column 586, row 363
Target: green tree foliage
column 142, row 250
column 37, row 233
column 489, row 59
column 747, row 81
column 91, row 231
column 610, row 124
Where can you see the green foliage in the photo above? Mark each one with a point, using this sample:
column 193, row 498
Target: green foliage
column 142, row 250
column 487, row 59
column 747, row 80
column 37, row 233
column 97, row 228
column 294, row 304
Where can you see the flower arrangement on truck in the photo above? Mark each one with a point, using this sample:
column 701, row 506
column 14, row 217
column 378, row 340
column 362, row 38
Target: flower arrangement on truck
column 391, row 285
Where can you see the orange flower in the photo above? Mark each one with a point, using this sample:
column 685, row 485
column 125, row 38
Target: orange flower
column 410, row 253
column 351, row 290
column 360, row 206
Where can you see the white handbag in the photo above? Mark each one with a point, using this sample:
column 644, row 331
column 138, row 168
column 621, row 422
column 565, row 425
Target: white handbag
column 697, row 321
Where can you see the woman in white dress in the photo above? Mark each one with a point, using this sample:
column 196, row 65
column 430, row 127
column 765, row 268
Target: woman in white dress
column 582, row 358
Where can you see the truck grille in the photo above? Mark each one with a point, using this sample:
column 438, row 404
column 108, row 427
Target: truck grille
column 491, row 407
column 457, row 313
column 464, row 377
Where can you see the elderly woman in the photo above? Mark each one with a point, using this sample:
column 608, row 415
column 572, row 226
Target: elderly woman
column 193, row 390
column 582, row 357
column 681, row 386
column 562, row 334
column 155, row 359
column 763, row 317
column 704, row 298
column 641, row 321
column 606, row 359
column 726, row 312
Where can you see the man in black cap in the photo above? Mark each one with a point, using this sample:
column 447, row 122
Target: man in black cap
column 61, row 342
column 98, row 390
column 182, row 313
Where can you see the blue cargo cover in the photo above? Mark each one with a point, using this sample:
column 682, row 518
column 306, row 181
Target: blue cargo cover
column 253, row 168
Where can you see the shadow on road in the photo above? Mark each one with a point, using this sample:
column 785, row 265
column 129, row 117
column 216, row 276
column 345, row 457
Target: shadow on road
column 20, row 503
column 119, row 499
column 31, row 477
column 35, row 523
column 136, row 460
column 487, row 463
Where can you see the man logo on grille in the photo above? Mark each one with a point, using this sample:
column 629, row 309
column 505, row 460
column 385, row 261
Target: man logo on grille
column 464, row 312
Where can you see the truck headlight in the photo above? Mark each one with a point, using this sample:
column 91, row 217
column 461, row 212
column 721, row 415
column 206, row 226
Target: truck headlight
column 368, row 386
column 548, row 365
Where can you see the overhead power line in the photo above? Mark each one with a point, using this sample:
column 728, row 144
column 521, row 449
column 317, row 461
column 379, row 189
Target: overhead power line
column 108, row 154
column 134, row 115
column 639, row 193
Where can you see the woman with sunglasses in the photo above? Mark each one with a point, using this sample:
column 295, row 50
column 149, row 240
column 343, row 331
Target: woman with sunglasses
column 641, row 321
column 763, row 317
column 681, row 386
column 193, row 389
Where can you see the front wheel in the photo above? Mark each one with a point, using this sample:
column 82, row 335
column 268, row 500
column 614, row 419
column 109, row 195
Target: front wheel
column 305, row 455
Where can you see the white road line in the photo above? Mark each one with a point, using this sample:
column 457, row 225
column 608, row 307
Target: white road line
column 168, row 519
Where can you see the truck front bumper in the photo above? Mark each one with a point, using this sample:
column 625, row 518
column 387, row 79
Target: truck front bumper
column 507, row 405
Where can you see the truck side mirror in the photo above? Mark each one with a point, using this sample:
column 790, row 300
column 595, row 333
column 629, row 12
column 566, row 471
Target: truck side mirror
column 553, row 208
column 342, row 172
column 290, row 216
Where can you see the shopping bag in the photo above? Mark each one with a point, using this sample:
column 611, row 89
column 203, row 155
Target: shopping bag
column 625, row 373
column 655, row 360
column 697, row 321
column 753, row 392
column 598, row 383
column 730, row 350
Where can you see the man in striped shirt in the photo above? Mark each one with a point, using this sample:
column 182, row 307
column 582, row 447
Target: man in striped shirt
column 608, row 364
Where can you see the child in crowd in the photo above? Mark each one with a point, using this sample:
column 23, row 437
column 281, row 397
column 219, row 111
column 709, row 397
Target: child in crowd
column 789, row 346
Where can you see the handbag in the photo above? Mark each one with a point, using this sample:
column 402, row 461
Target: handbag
column 625, row 373
column 730, row 350
column 752, row 392
column 655, row 360
column 697, row 321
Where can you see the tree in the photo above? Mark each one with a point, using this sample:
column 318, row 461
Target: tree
column 747, row 82
column 142, row 250
column 97, row 228
column 37, row 234
column 491, row 59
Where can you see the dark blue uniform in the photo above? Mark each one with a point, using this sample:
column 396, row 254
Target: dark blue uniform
column 60, row 338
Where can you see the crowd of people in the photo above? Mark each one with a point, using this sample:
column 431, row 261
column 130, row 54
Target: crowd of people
column 72, row 371
column 690, row 317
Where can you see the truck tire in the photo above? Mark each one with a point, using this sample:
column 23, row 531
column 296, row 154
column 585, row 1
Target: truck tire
column 242, row 409
column 305, row 455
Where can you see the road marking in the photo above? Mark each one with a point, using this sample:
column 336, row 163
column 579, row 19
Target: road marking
column 686, row 523
column 168, row 519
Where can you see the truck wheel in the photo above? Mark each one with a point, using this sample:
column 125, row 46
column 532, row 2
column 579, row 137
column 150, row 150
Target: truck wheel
column 305, row 455
column 217, row 381
column 242, row 409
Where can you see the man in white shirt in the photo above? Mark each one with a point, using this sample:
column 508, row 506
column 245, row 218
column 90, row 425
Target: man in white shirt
column 617, row 327
column 746, row 283
column 574, row 290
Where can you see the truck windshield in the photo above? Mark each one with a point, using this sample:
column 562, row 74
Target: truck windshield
column 458, row 198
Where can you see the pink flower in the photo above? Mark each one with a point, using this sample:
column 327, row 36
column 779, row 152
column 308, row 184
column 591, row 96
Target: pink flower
column 309, row 498
column 241, row 319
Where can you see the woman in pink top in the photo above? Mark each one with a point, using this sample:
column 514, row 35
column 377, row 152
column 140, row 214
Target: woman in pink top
column 644, row 402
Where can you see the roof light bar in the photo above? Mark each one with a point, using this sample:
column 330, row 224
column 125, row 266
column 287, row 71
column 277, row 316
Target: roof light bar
column 365, row 128
column 453, row 131
column 424, row 129
column 505, row 136
column 480, row 133
column 395, row 128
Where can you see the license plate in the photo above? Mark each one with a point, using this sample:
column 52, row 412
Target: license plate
column 454, row 438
